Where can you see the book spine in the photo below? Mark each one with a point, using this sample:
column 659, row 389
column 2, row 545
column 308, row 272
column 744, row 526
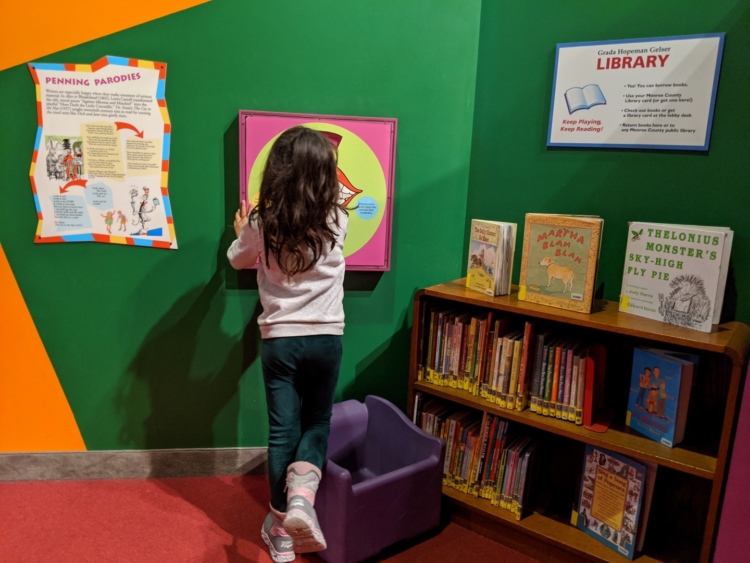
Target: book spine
column 507, row 343
column 501, row 478
column 525, row 368
column 486, row 354
column 492, row 436
column 573, row 390
column 537, row 372
column 542, row 380
column 555, row 381
column 460, row 452
column 511, row 400
column 421, row 341
column 448, row 360
column 548, row 381
column 496, row 449
column 568, row 383
column 478, row 362
column 450, row 452
column 460, row 372
column 477, row 472
column 468, row 460
column 523, row 490
column 582, row 375
column 509, row 475
column 453, row 360
column 470, row 346
column 488, row 364
column 496, row 368
column 438, row 347
column 561, row 383
column 561, row 386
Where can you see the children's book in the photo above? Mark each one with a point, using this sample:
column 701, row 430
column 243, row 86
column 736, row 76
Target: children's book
column 560, row 258
column 614, row 498
column 660, row 387
column 491, row 248
column 676, row 273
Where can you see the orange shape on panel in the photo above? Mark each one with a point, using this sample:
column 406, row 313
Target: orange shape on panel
column 34, row 29
column 34, row 412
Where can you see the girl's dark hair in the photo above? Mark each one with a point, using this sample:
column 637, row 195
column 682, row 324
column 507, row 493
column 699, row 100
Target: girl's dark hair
column 298, row 193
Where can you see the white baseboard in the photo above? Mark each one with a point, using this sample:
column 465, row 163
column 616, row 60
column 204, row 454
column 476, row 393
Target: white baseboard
column 122, row 464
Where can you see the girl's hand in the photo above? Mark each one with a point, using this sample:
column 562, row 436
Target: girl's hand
column 240, row 218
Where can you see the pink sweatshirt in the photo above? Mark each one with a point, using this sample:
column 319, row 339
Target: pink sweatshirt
column 307, row 304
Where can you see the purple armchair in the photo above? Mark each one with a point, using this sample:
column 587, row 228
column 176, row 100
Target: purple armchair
column 382, row 481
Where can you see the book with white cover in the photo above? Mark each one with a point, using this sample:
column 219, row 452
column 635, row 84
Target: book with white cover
column 676, row 273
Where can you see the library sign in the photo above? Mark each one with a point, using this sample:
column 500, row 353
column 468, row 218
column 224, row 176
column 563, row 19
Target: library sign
column 656, row 93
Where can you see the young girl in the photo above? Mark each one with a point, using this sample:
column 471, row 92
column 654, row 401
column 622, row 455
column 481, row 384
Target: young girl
column 297, row 230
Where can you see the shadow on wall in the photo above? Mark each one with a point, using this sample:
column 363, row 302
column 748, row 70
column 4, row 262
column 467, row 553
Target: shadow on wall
column 381, row 372
column 172, row 391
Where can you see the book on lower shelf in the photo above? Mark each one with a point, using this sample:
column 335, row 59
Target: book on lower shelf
column 491, row 249
column 560, row 260
column 615, row 500
column 676, row 273
column 660, row 387
column 482, row 458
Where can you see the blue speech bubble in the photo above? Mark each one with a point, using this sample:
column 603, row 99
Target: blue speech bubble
column 367, row 208
column 70, row 212
column 99, row 195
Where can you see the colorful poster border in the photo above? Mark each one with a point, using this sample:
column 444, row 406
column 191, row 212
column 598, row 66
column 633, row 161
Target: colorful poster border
column 95, row 66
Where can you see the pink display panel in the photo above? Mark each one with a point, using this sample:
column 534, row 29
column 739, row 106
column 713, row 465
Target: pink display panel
column 366, row 170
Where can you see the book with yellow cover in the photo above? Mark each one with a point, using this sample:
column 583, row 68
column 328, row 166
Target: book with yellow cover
column 491, row 248
column 559, row 262
column 614, row 498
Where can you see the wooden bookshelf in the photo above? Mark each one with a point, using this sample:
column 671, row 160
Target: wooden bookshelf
column 549, row 538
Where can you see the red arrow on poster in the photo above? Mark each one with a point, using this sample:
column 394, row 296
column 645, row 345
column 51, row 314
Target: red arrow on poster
column 64, row 189
column 123, row 125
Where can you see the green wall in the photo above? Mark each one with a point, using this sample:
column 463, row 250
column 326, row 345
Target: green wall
column 158, row 348
column 513, row 173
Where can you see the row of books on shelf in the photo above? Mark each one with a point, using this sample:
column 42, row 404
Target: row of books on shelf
column 482, row 458
column 514, row 367
column 551, row 373
column 486, row 457
column 673, row 273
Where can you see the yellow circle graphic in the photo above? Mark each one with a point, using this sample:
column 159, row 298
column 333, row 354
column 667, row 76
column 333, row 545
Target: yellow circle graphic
column 360, row 178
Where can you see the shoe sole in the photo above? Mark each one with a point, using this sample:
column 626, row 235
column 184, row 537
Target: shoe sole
column 275, row 555
column 308, row 538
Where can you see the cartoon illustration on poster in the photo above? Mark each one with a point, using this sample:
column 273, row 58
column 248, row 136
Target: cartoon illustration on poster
column 366, row 164
column 101, row 157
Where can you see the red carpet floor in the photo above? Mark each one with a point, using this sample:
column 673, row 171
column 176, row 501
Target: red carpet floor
column 197, row 519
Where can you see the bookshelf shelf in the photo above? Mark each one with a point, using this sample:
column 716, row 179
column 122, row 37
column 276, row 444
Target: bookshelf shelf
column 705, row 462
column 622, row 441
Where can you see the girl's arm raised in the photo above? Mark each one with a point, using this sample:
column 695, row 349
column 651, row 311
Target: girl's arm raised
column 244, row 251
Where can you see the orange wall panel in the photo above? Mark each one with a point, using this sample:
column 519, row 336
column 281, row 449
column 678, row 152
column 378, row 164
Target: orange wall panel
column 33, row 29
column 34, row 412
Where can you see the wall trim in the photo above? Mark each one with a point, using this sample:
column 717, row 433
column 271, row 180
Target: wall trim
column 125, row 464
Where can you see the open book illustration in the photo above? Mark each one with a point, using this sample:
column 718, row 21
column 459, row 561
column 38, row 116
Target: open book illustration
column 584, row 98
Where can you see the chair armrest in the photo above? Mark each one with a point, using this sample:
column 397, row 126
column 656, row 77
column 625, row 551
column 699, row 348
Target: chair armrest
column 390, row 430
column 393, row 476
column 338, row 477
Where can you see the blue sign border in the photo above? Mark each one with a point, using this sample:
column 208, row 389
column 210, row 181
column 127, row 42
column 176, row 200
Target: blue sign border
column 709, row 126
